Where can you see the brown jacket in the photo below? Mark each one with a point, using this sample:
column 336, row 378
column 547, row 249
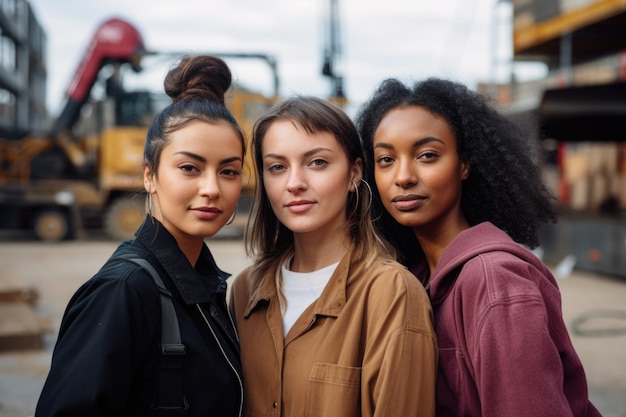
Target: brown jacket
column 366, row 347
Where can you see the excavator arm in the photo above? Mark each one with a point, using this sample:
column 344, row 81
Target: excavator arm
column 115, row 41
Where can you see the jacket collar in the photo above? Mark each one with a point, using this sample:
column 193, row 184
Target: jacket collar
column 195, row 285
column 330, row 303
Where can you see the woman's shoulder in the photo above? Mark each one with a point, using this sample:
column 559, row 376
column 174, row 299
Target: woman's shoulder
column 245, row 283
column 393, row 291
column 242, row 278
column 384, row 265
column 120, row 274
column 386, row 274
column 503, row 275
column 120, row 290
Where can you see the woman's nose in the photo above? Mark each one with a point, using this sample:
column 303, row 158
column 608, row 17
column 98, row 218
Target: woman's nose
column 210, row 186
column 406, row 175
column 296, row 180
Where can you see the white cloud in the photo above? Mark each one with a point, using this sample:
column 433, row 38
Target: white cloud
column 397, row 38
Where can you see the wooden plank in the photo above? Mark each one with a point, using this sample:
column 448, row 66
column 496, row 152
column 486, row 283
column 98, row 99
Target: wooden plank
column 12, row 289
column 20, row 327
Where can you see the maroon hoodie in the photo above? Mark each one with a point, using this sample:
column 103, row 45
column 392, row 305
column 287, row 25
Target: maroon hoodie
column 504, row 349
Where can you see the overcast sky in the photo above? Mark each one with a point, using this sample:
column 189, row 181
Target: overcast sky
column 408, row 39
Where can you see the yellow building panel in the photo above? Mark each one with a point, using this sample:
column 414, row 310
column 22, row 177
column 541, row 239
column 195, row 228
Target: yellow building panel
column 528, row 36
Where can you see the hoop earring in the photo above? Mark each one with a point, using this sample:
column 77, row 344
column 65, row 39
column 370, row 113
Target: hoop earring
column 358, row 197
column 149, row 206
column 232, row 218
column 369, row 190
column 356, row 188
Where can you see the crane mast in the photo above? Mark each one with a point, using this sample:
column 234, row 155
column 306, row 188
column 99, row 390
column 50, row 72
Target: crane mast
column 332, row 52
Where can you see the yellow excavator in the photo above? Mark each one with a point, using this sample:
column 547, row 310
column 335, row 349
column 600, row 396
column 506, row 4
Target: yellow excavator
column 86, row 170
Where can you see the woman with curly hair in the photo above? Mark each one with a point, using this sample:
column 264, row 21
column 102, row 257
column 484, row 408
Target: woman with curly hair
column 458, row 194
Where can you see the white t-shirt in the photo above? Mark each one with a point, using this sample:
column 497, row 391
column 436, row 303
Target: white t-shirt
column 301, row 289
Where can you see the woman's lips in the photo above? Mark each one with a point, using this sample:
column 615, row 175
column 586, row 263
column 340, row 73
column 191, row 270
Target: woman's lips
column 299, row 206
column 407, row 203
column 207, row 213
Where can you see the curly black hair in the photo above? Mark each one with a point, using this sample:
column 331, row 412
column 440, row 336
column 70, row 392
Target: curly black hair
column 505, row 185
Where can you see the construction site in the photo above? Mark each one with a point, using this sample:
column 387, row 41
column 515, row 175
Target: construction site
column 71, row 185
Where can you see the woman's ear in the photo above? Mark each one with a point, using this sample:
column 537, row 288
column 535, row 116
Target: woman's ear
column 147, row 179
column 465, row 168
column 356, row 174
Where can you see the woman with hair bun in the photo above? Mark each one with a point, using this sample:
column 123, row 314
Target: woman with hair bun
column 127, row 347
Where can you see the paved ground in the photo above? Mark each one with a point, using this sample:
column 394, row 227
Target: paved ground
column 56, row 270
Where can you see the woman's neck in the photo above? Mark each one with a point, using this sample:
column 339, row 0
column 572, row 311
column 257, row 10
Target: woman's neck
column 316, row 251
column 191, row 250
column 189, row 245
column 434, row 240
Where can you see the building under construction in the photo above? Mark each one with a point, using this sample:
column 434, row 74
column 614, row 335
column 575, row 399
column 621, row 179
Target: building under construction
column 579, row 111
column 22, row 70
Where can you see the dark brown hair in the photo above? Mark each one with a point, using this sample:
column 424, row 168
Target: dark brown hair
column 197, row 86
column 268, row 239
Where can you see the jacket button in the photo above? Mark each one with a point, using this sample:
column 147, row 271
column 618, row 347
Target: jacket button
column 274, row 404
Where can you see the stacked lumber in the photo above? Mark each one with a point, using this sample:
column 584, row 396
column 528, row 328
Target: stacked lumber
column 20, row 327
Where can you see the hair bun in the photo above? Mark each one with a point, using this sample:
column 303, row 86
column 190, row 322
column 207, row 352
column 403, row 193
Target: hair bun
column 204, row 77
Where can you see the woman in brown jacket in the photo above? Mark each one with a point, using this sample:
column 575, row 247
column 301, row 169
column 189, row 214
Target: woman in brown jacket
column 329, row 324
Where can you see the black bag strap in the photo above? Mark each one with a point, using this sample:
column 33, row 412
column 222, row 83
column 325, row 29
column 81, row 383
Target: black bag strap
column 170, row 399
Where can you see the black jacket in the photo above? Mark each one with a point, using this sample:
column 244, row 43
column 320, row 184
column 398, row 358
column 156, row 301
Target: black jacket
column 106, row 359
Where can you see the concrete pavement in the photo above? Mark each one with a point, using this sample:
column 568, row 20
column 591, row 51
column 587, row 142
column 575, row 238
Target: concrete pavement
column 594, row 308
